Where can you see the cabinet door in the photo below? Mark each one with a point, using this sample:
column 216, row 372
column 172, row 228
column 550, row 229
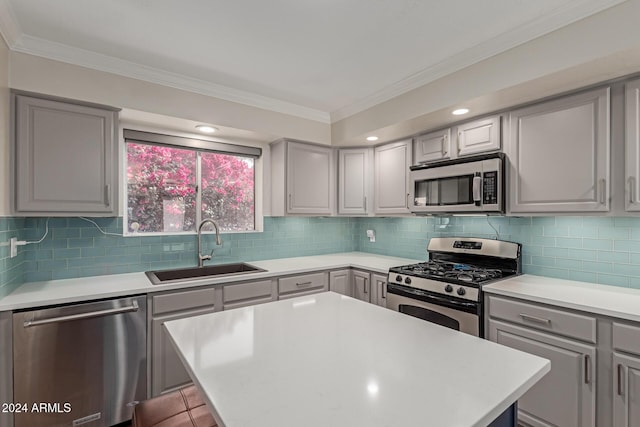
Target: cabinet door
column 626, row 389
column 632, row 144
column 167, row 370
column 559, row 155
column 361, row 285
column 310, row 179
column 354, row 181
column 340, row 282
column 479, row 136
column 432, row 146
column 566, row 395
column 379, row 286
column 391, row 172
column 65, row 158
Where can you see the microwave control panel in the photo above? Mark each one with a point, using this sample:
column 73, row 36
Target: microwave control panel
column 490, row 188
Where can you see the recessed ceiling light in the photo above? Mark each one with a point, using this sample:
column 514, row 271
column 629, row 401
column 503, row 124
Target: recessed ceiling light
column 460, row 111
column 206, row 129
column 372, row 138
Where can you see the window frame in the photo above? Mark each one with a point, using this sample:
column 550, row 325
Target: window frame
column 198, row 146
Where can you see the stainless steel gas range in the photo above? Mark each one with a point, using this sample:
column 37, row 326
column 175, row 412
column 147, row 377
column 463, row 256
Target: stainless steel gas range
column 447, row 289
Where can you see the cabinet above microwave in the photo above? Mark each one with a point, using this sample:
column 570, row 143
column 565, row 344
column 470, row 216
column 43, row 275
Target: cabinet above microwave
column 462, row 140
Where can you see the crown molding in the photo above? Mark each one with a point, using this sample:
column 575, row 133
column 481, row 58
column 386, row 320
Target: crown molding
column 9, row 28
column 560, row 17
column 84, row 58
column 20, row 42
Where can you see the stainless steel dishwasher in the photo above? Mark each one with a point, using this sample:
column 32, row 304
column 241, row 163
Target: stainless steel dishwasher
column 80, row 365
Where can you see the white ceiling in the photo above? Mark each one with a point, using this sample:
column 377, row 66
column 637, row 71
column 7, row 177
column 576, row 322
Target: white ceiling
column 319, row 59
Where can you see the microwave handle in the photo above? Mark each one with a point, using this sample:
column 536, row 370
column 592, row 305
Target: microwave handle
column 477, row 189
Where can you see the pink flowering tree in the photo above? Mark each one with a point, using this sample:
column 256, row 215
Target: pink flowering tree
column 161, row 189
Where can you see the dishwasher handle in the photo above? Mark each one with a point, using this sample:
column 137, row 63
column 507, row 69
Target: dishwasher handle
column 133, row 307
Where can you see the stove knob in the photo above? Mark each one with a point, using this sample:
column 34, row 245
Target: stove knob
column 399, row 278
column 407, row 280
column 448, row 288
column 461, row 291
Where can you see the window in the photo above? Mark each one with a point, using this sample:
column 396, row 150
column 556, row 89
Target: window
column 173, row 183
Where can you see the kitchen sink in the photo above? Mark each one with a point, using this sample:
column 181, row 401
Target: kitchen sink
column 161, row 277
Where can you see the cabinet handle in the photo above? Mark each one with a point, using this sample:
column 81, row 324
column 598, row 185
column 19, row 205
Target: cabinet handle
column 303, row 284
column 444, row 145
column 620, row 378
column 365, row 203
column 408, row 200
column 603, row 183
column 632, row 190
column 587, row 369
column 535, row 319
column 365, row 286
column 384, row 290
column 107, row 195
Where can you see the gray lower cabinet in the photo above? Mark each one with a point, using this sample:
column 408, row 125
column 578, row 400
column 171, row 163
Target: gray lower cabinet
column 167, row 370
column 379, row 286
column 303, row 284
column 247, row 293
column 626, row 375
column 340, row 282
column 566, row 396
column 56, row 143
column 361, row 285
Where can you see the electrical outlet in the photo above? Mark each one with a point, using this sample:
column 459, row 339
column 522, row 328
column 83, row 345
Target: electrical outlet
column 13, row 244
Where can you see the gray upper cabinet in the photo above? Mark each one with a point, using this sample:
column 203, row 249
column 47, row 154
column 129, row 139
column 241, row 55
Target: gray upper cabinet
column 303, row 179
column 478, row 136
column 632, row 144
column 355, row 181
column 559, row 155
column 392, row 162
column 432, row 146
column 65, row 158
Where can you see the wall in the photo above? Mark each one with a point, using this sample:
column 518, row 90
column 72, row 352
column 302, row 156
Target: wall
column 592, row 249
column 76, row 248
column 594, row 49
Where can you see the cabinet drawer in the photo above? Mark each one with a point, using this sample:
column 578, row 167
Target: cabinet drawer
column 186, row 300
column 626, row 338
column 547, row 319
column 246, row 291
column 302, row 283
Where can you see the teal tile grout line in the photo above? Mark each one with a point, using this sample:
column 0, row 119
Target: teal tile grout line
column 593, row 249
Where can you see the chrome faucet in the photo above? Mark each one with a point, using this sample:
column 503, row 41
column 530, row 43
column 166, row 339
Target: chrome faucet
column 203, row 258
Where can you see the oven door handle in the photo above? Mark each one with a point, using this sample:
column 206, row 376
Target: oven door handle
column 432, row 298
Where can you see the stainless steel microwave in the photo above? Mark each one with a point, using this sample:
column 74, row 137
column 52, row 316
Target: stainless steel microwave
column 467, row 185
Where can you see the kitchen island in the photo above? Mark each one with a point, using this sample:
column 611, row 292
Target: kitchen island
column 331, row 360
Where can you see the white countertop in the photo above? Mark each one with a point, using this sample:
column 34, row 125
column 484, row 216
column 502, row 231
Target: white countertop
column 52, row 292
column 614, row 301
column 331, row 360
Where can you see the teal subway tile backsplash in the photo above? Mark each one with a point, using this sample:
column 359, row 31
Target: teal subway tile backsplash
column 593, row 249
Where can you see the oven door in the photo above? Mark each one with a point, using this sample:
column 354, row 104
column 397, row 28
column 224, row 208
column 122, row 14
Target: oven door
column 437, row 313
